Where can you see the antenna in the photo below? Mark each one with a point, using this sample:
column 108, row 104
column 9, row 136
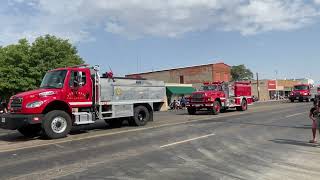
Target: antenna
column 137, row 64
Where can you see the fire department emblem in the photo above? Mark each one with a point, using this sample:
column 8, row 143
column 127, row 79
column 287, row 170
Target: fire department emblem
column 118, row 92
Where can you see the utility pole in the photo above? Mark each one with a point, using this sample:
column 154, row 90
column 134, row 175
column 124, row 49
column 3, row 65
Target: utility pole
column 137, row 64
column 258, row 88
column 277, row 92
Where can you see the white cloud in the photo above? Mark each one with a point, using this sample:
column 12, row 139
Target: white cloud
column 75, row 19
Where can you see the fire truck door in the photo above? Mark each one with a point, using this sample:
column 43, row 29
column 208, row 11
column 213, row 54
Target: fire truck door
column 79, row 94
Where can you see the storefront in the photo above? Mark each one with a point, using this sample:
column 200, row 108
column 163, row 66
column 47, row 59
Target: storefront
column 177, row 91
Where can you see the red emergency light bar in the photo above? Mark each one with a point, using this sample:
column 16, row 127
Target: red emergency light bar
column 211, row 83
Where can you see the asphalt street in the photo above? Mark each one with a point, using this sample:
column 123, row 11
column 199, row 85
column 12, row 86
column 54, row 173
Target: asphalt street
column 269, row 141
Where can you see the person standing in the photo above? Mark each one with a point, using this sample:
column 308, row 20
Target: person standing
column 314, row 116
column 3, row 107
column 183, row 102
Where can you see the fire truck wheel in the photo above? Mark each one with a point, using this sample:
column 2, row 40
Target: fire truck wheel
column 30, row 131
column 192, row 111
column 292, row 100
column 141, row 116
column 243, row 107
column 56, row 124
column 308, row 100
column 216, row 108
column 223, row 110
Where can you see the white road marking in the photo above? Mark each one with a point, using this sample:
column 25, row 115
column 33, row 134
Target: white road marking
column 294, row 115
column 59, row 146
column 185, row 141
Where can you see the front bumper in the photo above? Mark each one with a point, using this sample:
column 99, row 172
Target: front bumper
column 200, row 105
column 15, row 121
column 299, row 97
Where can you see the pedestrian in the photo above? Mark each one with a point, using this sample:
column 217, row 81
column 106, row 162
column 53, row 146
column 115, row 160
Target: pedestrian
column 174, row 105
column 3, row 107
column 183, row 102
column 314, row 116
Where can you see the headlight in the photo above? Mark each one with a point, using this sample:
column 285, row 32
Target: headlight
column 34, row 104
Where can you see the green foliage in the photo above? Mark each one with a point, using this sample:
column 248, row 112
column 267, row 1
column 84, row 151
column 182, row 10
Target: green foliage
column 240, row 73
column 23, row 65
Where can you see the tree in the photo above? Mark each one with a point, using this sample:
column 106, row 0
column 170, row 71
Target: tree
column 23, row 65
column 240, row 73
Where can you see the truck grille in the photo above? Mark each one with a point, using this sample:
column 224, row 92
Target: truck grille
column 197, row 98
column 16, row 103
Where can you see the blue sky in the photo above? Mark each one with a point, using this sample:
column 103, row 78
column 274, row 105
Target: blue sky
column 268, row 36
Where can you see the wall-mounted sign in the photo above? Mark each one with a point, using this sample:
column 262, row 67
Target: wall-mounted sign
column 272, row 85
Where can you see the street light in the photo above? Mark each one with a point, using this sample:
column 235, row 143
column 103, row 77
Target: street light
column 277, row 92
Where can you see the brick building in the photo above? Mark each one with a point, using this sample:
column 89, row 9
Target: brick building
column 195, row 75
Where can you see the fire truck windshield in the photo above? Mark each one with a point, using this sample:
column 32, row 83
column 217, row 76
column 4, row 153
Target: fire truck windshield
column 54, row 79
column 210, row 88
column 301, row 87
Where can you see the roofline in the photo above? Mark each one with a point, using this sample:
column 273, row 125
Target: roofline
column 149, row 72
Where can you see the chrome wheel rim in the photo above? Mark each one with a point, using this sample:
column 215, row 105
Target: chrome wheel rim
column 141, row 116
column 59, row 125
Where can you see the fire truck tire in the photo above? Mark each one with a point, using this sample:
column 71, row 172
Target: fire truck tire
column 141, row 116
column 192, row 111
column 292, row 100
column 244, row 106
column 216, row 108
column 30, row 131
column 223, row 110
column 308, row 100
column 57, row 124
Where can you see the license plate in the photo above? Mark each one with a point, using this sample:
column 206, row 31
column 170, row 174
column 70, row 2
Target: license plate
column 3, row 120
column 297, row 98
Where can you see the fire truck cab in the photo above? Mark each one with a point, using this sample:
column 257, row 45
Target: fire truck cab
column 302, row 92
column 217, row 97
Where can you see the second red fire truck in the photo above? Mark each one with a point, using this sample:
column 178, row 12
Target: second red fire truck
column 217, row 97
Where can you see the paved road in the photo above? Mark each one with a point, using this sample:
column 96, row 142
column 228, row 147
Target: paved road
column 266, row 142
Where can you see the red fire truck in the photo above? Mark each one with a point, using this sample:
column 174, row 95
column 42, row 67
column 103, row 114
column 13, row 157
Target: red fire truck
column 303, row 92
column 217, row 97
column 79, row 96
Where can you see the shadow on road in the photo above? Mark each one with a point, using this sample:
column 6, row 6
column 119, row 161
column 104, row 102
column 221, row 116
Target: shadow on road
column 294, row 142
column 271, row 125
column 15, row 136
column 199, row 113
column 233, row 122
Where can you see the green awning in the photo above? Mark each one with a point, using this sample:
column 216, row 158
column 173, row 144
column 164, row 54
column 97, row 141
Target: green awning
column 287, row 89
column 180, row 90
